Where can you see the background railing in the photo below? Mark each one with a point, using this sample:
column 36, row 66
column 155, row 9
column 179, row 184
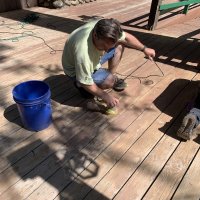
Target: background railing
column 158, row 7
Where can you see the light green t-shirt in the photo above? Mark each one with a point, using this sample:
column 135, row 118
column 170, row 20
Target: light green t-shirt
column 80, row 57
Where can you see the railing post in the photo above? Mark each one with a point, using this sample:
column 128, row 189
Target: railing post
column 154, row 14
column 186, row 9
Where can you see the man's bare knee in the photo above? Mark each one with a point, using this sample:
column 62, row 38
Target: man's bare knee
column 108, row 83
column 114, row 62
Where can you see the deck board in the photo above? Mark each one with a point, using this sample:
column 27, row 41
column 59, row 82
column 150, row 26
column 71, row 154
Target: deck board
column 85, row 155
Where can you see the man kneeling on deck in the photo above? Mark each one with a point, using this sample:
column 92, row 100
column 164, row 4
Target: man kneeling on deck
column 91, row 45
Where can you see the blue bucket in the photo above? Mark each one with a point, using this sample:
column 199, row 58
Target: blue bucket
column 33, row 103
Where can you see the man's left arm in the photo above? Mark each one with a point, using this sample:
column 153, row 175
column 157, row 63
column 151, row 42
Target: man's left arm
column 132, row 42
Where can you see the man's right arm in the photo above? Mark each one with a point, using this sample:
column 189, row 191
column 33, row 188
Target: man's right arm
column 107, row 98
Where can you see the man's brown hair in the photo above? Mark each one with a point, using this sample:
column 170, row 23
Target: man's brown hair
column 108, row 29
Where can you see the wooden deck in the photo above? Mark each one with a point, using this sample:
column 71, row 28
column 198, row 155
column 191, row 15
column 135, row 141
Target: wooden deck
column 85, row 155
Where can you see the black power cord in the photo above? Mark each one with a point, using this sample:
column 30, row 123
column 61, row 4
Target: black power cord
column 147, row 82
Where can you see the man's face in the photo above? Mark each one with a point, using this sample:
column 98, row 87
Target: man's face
column 103, row 44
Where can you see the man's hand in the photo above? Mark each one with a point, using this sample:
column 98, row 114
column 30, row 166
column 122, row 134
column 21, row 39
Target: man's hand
column 150, row 53
column 110, row 100
column 107, row 98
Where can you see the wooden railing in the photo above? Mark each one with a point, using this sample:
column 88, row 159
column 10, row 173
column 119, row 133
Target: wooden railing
column 158, row 7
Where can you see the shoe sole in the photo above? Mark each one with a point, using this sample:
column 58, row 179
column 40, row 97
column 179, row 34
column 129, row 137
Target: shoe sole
column 186, row 129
